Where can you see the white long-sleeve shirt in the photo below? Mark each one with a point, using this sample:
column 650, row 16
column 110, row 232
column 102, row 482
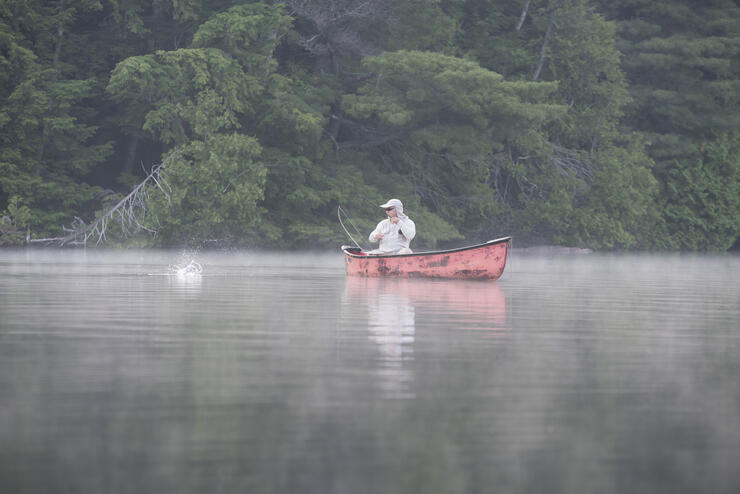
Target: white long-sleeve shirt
column 396, row 236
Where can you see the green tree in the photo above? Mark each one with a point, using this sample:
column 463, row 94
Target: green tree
column 569, row 196
column 46, row 125
column 583, row 58
column 213, row 187
column 619, row 211
column 509, row 116
column 440, row 123
column 424, row 25
column 501, row 35
column 702, row 201
column 200, row 100
column 14, row 223
column 681, row 58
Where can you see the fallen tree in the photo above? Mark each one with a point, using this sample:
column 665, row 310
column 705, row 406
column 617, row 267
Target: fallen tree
column 128, row 214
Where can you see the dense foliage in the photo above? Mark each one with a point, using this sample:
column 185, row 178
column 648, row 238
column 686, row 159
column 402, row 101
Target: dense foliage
column 602, row 124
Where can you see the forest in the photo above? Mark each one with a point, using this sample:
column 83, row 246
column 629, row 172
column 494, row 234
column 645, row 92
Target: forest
column 602, row 124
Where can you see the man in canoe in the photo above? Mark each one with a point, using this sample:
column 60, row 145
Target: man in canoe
column 395, row 232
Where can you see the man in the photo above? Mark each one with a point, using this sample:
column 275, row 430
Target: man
column 395, row 232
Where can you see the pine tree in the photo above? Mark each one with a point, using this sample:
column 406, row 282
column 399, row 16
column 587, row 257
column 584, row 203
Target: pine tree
column 47, row 121
column 680, row 57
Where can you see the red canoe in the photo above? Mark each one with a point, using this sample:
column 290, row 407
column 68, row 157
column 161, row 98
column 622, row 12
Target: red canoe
column 482, row 261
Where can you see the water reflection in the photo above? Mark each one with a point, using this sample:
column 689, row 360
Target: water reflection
column 186, row 283
column 469, row 305
column 274, row 373
column 391, row 325
column 393, row 307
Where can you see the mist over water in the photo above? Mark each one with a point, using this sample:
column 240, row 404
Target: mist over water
column 127, row 371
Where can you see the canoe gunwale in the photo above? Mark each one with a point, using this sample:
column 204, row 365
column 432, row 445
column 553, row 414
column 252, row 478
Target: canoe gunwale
column 348, row 252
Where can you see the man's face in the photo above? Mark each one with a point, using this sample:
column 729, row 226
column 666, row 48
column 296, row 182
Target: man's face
column 391, row 212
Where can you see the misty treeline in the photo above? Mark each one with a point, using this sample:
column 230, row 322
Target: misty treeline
column 610, row 124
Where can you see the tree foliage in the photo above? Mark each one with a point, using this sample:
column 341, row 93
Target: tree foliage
column 609, row 125
column 681, row 59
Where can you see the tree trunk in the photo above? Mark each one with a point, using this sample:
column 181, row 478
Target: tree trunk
column 133, row 145
column 523, row 17
column 543, row 50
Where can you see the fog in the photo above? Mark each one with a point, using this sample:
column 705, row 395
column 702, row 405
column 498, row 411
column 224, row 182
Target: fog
column 125, row 371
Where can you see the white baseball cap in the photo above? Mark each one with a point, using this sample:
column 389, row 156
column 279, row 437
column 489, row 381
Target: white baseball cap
column 393, row 203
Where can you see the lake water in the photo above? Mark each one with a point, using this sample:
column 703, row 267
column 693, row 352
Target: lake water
column 274, row 373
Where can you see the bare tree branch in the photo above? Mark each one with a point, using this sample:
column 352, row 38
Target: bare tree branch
column 568, row 161
column 129, row 213
column 340, row 25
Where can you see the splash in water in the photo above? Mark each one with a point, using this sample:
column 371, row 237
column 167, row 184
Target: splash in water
column 186, row 269
column 190, row 268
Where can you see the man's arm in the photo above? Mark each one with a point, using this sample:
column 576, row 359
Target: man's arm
column 408, row 228
column 375, row 235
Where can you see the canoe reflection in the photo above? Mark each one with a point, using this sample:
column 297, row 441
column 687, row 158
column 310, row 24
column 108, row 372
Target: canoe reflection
column 469, row 305
column 395, row 306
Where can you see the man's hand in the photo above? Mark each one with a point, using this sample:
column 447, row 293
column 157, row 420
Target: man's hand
column 379, row 236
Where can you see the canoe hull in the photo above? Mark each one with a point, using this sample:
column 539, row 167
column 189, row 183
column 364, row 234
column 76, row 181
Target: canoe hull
column 483, row 261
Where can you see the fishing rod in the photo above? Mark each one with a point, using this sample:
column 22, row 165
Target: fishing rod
column 339, row 216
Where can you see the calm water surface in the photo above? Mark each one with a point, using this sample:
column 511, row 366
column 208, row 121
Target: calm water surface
column 274, row 373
